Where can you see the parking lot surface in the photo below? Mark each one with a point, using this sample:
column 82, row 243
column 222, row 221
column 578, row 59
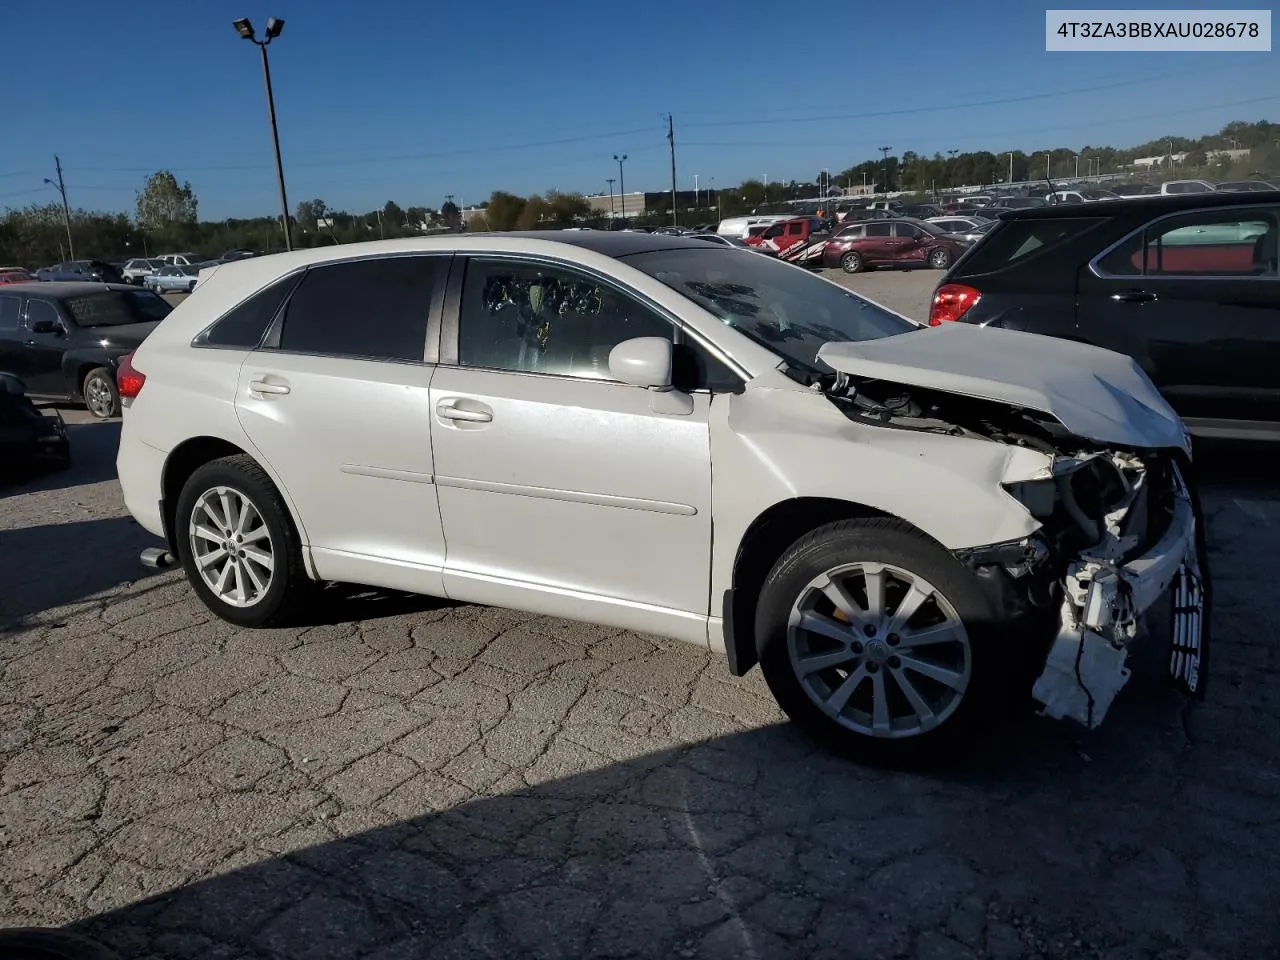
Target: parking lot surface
column 406, row 778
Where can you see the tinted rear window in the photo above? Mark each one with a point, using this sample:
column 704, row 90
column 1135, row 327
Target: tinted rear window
column 1016, row 241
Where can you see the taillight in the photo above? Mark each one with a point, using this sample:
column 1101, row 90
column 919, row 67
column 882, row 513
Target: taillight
column 129, row 380
column 952, row 301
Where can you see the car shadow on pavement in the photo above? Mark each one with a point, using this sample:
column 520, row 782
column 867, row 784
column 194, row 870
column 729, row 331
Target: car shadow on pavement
column 746, row 845
column 93, row 460
column 52, row 565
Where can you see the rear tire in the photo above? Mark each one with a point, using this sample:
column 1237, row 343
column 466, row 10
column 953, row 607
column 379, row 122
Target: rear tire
column 100, row 393
column 238, row 546
column 843, row 672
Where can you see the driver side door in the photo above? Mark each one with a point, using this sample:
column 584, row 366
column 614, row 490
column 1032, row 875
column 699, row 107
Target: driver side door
column 563, row 490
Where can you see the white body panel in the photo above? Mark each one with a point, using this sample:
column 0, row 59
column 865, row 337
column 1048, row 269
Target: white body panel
column 578, row 489
column 352, row 441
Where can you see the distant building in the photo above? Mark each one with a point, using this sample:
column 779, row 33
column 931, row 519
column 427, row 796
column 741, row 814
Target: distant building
column 1181, row 158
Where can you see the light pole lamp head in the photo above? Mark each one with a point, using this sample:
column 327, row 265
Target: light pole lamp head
column 244, row 28
column 275, row 26
column 49, row 182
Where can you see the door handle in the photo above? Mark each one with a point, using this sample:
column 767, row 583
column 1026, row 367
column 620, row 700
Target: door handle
column 448, row 410
column 1133, row 296
column 267, row 388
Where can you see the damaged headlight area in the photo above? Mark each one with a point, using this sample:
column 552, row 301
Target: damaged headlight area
column 1118, row 535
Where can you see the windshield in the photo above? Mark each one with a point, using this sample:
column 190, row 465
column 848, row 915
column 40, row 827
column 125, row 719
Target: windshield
column 780, row 306
column 190, row 270
column 928, row 227
column 117, row 307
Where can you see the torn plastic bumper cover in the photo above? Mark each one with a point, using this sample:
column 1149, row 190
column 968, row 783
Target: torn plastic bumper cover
column 1102, row 604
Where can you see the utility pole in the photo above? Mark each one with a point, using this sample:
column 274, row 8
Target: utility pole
column 671, row 139
column 622, row 185
column 885, row 151
column 66, row 210
column 610, row 181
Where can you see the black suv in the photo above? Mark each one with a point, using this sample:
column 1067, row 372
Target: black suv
column 63, row 340
column 1186, row 285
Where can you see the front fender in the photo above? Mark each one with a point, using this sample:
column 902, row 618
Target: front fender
column 772, row 444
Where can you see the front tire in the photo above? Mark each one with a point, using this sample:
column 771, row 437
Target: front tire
column 101, row 395
column 940, row 259
column 238, row 545
column 878, row 642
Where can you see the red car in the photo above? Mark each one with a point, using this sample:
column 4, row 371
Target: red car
column 15, row 275
column 902, row 242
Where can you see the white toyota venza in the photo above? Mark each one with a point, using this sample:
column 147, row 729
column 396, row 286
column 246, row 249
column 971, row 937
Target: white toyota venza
column 903, row 526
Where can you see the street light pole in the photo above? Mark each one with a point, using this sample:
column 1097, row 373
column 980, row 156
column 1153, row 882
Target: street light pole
column 885, row 151
column 274, row 28
column 66, row 209
column 610, row 181
column 622, row 185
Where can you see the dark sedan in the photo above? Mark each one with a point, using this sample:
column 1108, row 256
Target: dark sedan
column 64, row 340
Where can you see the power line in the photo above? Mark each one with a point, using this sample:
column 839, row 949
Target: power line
column 1121, row 77
column 467, row 151
column 844, row 144
column 897, row 112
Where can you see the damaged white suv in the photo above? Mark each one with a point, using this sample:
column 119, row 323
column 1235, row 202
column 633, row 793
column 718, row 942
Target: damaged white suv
column 903, row 526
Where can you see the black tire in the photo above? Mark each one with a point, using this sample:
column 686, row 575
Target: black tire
column 100, row 393
column 852, row 262
column 290, row 589
column 940, row 259
column 893, row 542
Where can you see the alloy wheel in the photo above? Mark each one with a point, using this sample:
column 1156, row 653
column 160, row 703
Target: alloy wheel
column 231, row 546
column 98, row 397
column 879, row 650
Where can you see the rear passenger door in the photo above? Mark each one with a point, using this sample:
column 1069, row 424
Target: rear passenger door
column 336, row 402
column 12, row 359
column 878, row 244
column 1195, row 298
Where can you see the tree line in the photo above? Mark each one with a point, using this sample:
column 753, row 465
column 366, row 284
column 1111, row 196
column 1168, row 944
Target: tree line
column 165, row 218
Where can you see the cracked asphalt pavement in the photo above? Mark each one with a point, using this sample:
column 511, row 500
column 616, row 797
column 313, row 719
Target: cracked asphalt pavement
column 405, row 778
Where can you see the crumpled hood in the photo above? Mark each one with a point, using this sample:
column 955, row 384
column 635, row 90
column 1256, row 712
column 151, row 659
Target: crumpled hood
column 1097, row 394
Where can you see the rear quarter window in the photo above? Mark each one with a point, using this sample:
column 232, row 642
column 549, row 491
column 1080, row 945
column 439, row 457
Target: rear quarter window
column 1020, row 241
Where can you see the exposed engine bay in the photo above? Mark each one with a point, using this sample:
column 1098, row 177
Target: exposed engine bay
column 1115, row 525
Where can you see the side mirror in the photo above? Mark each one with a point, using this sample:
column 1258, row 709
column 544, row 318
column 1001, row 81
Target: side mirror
column 46, row 326
column 642, row 362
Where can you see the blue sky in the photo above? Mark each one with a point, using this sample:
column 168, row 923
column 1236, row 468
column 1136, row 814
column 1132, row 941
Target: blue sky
column 410, row 101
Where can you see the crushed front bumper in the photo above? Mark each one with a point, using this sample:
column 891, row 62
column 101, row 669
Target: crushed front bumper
column 1101, row 608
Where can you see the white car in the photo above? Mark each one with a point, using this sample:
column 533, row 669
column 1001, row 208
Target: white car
column 954, row 224
column 662, row 435
column 137, row 270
